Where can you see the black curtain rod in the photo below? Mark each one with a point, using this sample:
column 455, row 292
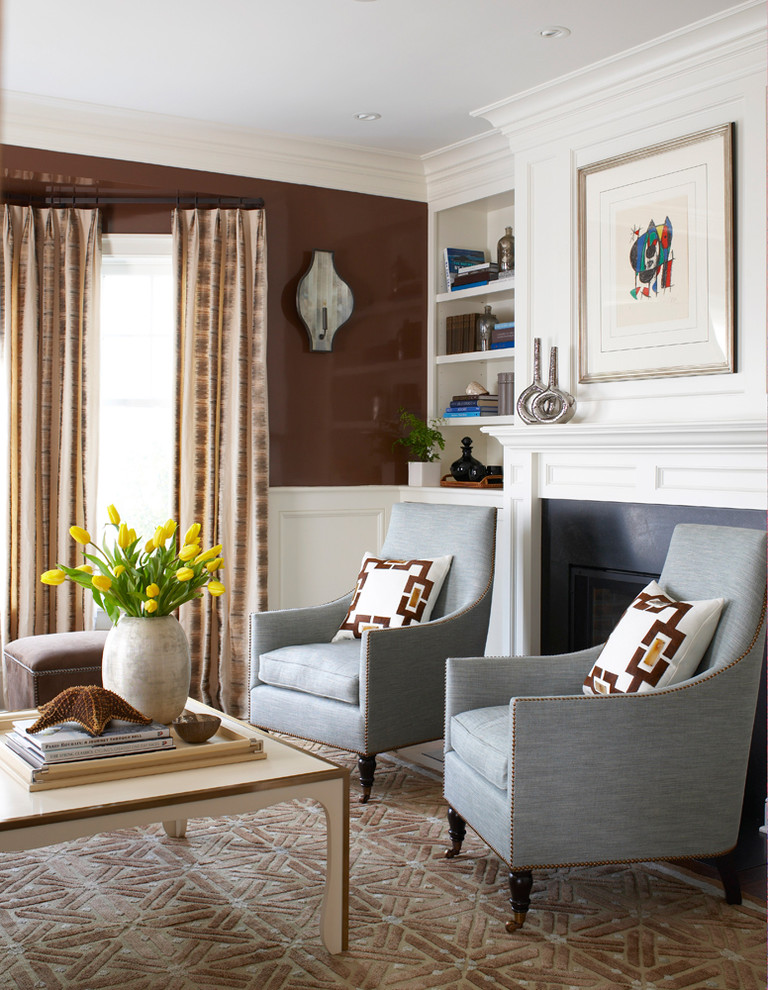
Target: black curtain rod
column 84, row 202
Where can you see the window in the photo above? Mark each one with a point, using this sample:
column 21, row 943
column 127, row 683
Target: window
column 137, row 381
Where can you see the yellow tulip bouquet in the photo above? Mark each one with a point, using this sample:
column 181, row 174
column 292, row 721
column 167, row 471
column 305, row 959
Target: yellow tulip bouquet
column 153, row 579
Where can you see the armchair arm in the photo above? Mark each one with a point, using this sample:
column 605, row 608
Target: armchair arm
column 293, row 627
column 668, row 765
column 402, row 674
column 483, row 682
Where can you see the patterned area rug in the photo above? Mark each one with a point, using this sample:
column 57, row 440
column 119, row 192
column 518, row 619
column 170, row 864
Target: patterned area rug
column 236, row 905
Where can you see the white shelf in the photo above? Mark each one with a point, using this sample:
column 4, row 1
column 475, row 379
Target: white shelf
column 476, row 223
column 503, row 285
column 469, row 357
column 478, row 421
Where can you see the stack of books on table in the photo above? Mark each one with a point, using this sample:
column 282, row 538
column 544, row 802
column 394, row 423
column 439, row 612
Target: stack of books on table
column 69, row 742
column 473, row 405
column 503, row 335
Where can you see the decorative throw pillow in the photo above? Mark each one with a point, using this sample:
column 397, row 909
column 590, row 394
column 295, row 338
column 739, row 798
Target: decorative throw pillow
column 658, row 641
column 392, row 593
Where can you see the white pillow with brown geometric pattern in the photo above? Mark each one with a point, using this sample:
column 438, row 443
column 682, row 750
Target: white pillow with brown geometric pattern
column 391, row 593
column 658, row 641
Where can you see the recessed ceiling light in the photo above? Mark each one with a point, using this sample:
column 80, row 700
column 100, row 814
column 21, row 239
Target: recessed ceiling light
column 367, row 116
column 554, row 31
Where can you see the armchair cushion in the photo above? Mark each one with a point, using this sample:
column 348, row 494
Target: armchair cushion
column 658, row 641
column 481, row 739
column 392, row 593
column 326, row 670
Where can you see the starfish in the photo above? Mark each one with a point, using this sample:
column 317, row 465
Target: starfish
column 91, row 706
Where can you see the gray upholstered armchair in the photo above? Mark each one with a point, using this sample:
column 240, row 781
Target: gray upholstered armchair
column 385, row 690
column 548, row 776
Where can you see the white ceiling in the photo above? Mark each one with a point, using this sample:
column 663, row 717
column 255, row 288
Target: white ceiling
column 305, row 67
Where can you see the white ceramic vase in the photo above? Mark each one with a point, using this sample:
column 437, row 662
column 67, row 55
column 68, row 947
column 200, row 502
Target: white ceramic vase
column 147, row 662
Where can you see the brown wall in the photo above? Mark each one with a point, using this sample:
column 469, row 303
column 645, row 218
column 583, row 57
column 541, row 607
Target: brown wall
column 333, row 417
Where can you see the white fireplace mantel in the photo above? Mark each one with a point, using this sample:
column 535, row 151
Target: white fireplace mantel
column 717, row 465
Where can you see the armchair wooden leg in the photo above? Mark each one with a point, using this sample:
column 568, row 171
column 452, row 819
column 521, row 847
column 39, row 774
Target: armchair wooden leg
column 457, row 829
column 366, row 766
column 726, row 867
column 520, row 883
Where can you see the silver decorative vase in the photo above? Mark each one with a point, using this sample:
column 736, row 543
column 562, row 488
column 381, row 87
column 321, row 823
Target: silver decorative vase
column 484, row 327
column 147, row 662
column 505, row 251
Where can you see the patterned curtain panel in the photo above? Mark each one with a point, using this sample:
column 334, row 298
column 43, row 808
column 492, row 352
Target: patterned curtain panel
column 221, row 471
column 50, row 310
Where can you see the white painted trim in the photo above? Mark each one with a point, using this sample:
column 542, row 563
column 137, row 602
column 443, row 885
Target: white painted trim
column 317, row 537
column 727, row 45
column 141, row 245
column 745, row 436
column 714, row 52
column 89, row 129
column 697, row 464
column 732, row 43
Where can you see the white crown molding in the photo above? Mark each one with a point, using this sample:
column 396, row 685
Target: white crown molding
column 90, row 129
column 480, row 165
column 726, row 46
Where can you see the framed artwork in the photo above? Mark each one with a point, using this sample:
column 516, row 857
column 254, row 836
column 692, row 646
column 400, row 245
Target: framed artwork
column 656, row 266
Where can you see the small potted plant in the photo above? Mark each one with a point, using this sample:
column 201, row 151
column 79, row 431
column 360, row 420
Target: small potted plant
column 424, row 441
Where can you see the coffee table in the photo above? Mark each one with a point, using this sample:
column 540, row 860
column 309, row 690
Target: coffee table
column 40, row 818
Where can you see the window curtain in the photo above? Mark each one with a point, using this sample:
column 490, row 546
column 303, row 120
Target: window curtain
column 50, row 309
column 221, row 464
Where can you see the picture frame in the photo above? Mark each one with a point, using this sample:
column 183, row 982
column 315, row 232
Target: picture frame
column 656, row 270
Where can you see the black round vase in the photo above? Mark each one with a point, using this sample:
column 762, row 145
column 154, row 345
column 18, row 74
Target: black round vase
column 467, row 467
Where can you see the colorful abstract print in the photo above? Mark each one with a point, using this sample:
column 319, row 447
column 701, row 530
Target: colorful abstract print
column 651, row 259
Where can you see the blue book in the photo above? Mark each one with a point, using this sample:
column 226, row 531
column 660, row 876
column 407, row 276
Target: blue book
column 456, row 258
column 468, row 285
column 469, row 411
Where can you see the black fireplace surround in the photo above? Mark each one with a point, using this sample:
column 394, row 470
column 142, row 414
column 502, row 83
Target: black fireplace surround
column 596, row 556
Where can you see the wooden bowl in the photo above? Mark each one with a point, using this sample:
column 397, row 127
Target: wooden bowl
column 195, row 728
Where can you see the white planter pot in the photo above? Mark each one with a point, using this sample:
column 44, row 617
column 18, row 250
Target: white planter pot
column 147, row 662
column 424, row 474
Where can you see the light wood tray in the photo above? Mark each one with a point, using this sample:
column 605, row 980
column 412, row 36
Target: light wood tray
column 228, row 745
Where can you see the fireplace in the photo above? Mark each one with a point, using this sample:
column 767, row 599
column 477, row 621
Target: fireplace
column 597, row 597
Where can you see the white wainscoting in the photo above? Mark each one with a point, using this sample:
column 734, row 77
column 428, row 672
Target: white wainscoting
column 317, row 537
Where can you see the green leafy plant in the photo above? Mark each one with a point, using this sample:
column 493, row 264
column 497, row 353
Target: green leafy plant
column 423, row 439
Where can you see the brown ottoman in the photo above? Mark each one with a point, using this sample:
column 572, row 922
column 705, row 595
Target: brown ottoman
column 37, row 668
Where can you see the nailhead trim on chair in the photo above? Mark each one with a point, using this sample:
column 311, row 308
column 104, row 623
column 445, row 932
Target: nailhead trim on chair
column 615, row 698
column 418, row 742
column 442, row 619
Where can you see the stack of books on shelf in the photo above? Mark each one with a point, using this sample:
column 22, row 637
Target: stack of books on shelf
column 461, row 333
column 472, row 405
column 69, row 742
column 456, row 258
column 471, row 275
column 503, row 335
